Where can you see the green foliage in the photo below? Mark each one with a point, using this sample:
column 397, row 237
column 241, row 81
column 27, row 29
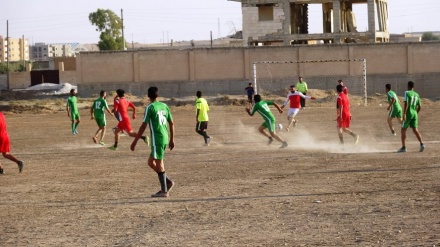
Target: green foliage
column 110, row 25
column 13, row 67
column 429, row 36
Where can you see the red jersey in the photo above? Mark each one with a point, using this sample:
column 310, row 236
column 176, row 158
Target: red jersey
column 122, row 105
column 345, row 90
column 343, row 104
column 4, row 138
column 294, row 99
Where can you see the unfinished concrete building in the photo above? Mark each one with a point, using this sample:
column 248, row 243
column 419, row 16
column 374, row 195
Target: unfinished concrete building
column 286, row 22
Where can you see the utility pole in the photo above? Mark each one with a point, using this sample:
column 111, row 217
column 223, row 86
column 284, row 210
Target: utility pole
column 7, row 54
column 123, row 40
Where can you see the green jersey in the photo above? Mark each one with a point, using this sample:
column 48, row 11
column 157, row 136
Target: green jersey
column 157, row 115
column 412, row 100
column 396, row 105
column 99, row 107
column 71, row 103
column 202, row 106
column 262, row 107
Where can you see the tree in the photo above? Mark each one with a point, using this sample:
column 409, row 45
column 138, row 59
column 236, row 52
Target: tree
column 429, row 36
column 110, row 25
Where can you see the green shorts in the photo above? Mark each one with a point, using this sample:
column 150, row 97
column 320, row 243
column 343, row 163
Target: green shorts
column 395, row 113
column 74, row 116
column 412, row 123
column 269, row 125
column 158, row 151
column 100, row 122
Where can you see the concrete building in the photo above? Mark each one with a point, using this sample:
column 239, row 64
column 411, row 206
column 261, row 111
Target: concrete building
column 285, row 22
column 43, row 52
column 18, row 49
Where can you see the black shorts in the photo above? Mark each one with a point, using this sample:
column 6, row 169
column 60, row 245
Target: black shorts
column 202, row 125
column 250, row 98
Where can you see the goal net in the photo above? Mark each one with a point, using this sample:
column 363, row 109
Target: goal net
column 275, row 77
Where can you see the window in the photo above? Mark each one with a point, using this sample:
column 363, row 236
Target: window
column 265, row 12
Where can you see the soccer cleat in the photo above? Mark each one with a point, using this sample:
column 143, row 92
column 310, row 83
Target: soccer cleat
column 402, row 150
column 208, row 140
column 2, row 171
column 160, row 194
column 170, row 186
column 20, row 166
column 356, row 139
column 102, row 143
column 147, row 140
column 113, row 148
column 422, row 147
column 270, row 141
column 95, row 140
column 284, row 145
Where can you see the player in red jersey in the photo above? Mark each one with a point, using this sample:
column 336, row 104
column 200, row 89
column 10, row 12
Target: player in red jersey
column 122, row 105
column 344, row 88
column 5, row 146
column 294, row 97
column 344, row 115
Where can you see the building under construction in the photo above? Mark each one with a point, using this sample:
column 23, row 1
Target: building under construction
column 286, row 22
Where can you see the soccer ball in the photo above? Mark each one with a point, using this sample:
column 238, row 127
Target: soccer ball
column 279, row 127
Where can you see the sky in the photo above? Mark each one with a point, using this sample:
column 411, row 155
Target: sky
column 160, row 21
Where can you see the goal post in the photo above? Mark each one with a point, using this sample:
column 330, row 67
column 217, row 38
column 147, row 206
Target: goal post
column 274, row 77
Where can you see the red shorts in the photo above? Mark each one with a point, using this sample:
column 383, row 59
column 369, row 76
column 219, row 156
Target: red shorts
column 5, row 146
column 125, row 125
column 344, row 122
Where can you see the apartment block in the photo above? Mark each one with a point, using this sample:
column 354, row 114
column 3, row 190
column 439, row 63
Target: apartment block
column 45, row 52
column 18, row 49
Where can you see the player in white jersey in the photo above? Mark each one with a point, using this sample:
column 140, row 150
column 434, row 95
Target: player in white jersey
column 295, row 104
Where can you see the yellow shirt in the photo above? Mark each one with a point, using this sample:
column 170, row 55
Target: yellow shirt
column 202, row 106
column 301, row 87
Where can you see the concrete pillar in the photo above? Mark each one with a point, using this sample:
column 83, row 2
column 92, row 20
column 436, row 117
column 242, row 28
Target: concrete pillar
column 135, row 58
column 78, row 69
column 287, row 21
column 29, row 67
column 371, row 21
column 409, row 58
column 336, row 16
column 191, row 66
column 60, row 66
column 247, row 66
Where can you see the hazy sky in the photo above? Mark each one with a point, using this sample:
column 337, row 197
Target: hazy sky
column 157, row 21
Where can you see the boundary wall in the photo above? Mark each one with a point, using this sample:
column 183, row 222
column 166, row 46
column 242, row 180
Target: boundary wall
column 181, row 72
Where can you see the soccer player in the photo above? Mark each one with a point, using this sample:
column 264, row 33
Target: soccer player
column 202, row 118
column 411, row 108
column 122, row 107
column 5, row 145
column 97, row 112
column 393, row 107
column 301, row 86
column 72, row 111
column 344, row 88
column 344, row 115
column 262, row 107
column 294, row 97
column 157, row 115
column 250, row 93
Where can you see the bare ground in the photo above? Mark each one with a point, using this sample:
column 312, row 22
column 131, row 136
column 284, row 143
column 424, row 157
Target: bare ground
column 236, row 192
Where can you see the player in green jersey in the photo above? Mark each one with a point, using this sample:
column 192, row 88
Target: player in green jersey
column 410, row 116
column 202, row 118
column 97, row 112
column 395, row 111
column 72, row 111
column 158, row 117
column 262, row 107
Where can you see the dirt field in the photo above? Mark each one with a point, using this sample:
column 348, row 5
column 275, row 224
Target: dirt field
column 236, row 192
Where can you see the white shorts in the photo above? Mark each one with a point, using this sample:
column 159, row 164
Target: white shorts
column 292, row 112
